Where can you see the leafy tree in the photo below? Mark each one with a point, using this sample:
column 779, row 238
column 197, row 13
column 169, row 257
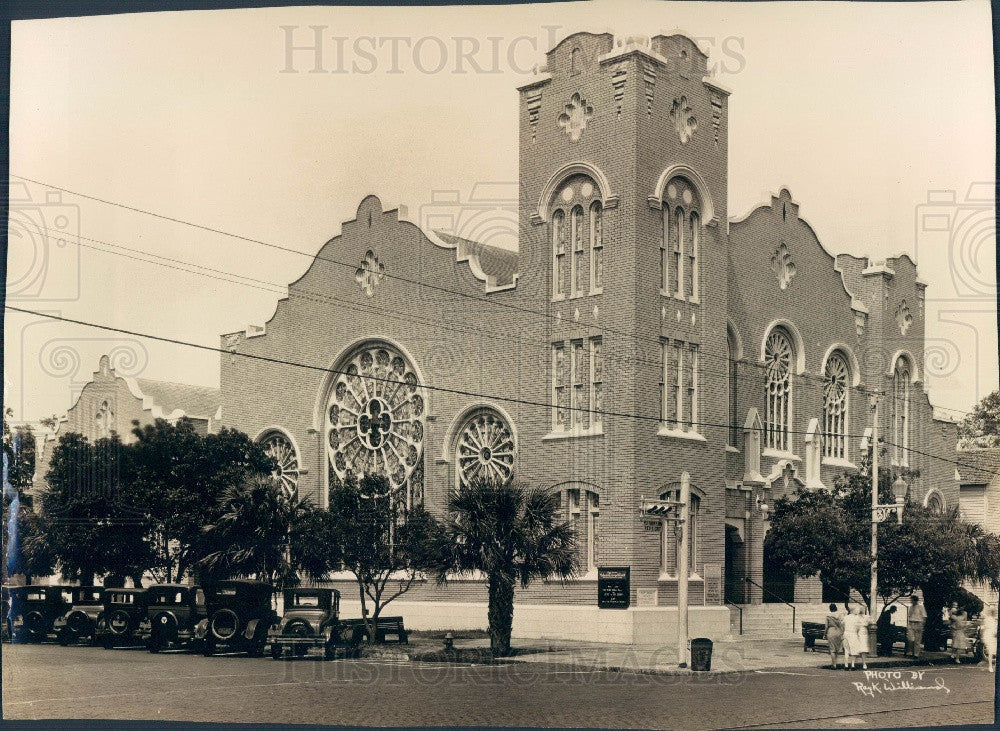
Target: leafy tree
column 19, row 453
column 828, row 533
column 88, row 518
column 369, row 533
column 180, row 478
column 511, row 533
column 251, row 536
column 981, row 427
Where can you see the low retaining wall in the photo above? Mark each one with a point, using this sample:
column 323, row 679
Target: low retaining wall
column 633, row 626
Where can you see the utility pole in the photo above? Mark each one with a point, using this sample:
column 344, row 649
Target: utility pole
column 875, row 399
column 682, row 572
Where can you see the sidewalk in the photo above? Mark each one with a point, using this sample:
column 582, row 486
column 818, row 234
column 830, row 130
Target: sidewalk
column 728, row 656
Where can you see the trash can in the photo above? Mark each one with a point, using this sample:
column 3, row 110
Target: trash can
column 701, row 654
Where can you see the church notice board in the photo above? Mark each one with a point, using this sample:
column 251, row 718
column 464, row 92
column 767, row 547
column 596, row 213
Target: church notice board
column 713, row 583
column 613, row 587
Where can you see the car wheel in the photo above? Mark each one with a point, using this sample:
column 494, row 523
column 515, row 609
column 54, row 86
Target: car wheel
column 153, row 646
column 329, row 651
column 256, row 649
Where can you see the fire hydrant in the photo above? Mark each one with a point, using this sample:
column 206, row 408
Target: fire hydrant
column 449, row 643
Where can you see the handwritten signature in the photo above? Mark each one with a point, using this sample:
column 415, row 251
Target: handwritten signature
column 888, row 681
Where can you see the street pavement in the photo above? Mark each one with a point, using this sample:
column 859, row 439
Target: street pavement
column 50, row 682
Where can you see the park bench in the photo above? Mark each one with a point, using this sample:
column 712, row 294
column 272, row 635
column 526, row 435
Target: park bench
column 813, row 631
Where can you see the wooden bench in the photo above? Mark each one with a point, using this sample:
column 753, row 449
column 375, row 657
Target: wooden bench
column 387, row 627
column 813, row 631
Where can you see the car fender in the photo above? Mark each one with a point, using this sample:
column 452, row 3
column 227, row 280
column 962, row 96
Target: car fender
column 251, row 631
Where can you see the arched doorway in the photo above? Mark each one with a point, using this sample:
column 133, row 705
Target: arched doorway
column 779, row 584
column 735, row 566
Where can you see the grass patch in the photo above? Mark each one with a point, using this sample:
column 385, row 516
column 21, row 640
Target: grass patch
column 477, row 655
column 457, row 634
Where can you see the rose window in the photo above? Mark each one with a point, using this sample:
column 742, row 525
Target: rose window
column 485, row 448
column 279, row 448
column 375, row 418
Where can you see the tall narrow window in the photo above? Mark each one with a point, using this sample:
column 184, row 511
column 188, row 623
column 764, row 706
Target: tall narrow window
column 670, row 537
column 778, row 374
column 733, row 354
column 836, row 385
column 596, row 381
column 596, row 248
column 580, row 369
column 583, row 513
column 559, row 250
column 577, row 257
column 671, row 400
column 593, row 516
column 676, row 279
column 691, row 390
column 691, row 273
column 901, row 412
column 665, row 244
column 559, row 387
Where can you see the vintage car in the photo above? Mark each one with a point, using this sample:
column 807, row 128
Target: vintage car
column 120, row 622
column 172, row 611
column 80, row 622
column 5, row 637
column 312, row 619
column 34, row 610
column 238, row 617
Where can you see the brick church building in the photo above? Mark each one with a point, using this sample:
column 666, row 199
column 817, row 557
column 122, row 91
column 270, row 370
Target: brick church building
column 638, row 333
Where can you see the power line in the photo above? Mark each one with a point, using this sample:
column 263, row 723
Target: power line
column 317, row 257
column 442, row 389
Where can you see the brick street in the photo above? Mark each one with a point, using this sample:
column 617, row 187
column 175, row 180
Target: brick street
column 47, row 681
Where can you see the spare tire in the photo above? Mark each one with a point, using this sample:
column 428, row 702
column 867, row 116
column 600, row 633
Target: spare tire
column 78, row 623
column 118, row 622
column 225, row 624
column 34, row 624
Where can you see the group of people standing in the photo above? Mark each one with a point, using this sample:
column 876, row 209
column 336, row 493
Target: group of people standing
column 848, row 632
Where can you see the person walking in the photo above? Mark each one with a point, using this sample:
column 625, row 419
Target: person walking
column 884, row 632
column 856, row 637
column 835, row 635
column 916, row 617
column 959, row 621
column 988, row 636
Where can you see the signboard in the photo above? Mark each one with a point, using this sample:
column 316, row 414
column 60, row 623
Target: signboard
column 713, row 583
column 652, row 526
column 613, row 587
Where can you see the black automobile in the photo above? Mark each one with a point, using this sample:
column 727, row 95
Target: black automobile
column 311, row 619
column 80, row 622
column 34, row 610
column 5, row 636
column 239, row 614
column 120, row 622
column 173, row 611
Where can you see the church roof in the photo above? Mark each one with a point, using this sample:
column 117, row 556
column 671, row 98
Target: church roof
column 197, row 402
column 494, row 261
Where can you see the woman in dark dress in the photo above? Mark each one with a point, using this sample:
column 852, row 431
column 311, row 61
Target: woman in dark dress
column 835, row 634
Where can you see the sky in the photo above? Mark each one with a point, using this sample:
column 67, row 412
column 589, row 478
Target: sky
column 879, row 119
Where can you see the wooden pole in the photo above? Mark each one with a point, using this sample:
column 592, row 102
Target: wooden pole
column 682, row 572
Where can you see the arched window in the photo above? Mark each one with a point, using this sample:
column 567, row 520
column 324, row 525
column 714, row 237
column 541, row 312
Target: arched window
column 559, row 254
column 577, row 258
column 484, row 448
column 665, row 252
column 582, row 509
column 836, row 392
column 732, row 353
column 670, row 536
column 577, row 226
column 375, row 420
column 681, row 239
column 279, row 447
column 778, row 357
column 901, row 411
column 596, row 248
column 934, row 501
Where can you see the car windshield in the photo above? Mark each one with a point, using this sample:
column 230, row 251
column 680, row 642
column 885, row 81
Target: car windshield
column 173, row 597
column 306, row 601
column 123, row 599
column 35, row 596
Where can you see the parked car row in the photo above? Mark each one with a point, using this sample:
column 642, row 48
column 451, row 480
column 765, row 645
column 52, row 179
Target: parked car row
column 228, row 616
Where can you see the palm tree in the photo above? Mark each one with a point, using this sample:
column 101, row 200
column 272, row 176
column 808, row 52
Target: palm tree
column 250, row 537
column 510, row 532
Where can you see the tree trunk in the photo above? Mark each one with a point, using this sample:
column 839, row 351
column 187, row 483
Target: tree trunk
column 501, row 614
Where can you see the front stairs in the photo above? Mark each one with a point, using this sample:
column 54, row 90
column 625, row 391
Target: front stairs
column 773, row 621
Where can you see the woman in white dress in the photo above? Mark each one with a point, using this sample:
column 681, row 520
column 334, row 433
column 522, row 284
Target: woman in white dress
column 856, row 637
column 988, row 636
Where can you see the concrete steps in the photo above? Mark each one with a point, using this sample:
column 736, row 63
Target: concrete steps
column 773, row 621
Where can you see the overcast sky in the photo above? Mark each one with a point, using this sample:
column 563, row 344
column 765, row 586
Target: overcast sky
column 861, row 110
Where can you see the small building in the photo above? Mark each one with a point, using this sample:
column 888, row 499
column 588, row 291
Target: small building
column 979, row 499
